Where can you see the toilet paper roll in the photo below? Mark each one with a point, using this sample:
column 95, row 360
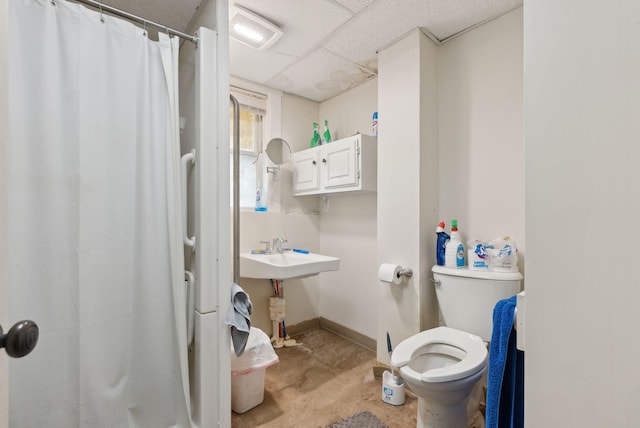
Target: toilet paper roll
column 390, row 273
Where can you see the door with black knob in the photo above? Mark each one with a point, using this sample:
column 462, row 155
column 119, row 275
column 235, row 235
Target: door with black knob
column 20, row 339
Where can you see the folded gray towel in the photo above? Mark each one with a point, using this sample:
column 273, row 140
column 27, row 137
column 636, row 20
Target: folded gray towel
column 239, row 318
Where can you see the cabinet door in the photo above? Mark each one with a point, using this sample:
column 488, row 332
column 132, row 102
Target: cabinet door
column 339, row 164
column 305, row 171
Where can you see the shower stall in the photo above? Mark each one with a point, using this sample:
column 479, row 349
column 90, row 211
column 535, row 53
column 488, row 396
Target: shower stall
column 103, row 222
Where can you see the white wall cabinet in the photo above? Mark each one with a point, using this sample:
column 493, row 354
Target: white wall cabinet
column 345, row 165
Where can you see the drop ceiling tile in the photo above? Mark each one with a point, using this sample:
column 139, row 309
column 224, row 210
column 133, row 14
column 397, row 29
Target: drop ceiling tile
column 446, row 19
column 332, row 42
column 305, row 23
column 375, row 27
column 386, row 21
column 320, row 76
column 355, row 6
column 257, row 66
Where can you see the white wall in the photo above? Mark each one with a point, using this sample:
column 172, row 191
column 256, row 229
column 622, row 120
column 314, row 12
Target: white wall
column 462, row 126
column 480, row 78
column 4, row 135
column 407, row 151
column 295, row 219
column 350, row 295
column 582, row 104
column 301, row 294
column 350, row 111
column 457, row 110
column 298, row 115
column 347, row 230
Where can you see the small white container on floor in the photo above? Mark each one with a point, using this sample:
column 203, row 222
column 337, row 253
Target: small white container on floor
column 392, row 393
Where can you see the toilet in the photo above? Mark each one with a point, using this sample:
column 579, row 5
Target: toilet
column 442, row 365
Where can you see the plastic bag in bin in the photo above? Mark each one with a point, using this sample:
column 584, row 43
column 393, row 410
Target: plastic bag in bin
column 258, row 354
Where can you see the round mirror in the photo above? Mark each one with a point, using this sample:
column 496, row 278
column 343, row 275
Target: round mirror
column 278, row 151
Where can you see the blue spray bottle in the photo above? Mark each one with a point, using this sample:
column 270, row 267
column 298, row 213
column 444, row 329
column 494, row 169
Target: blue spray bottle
column 441, row 243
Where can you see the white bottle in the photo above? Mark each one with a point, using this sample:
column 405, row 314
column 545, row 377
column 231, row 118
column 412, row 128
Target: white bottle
column 260, row 200
column 454, row 251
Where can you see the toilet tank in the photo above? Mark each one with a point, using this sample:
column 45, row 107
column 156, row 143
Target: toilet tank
column 467, row 297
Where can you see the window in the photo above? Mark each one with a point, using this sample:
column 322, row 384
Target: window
column 252, row 113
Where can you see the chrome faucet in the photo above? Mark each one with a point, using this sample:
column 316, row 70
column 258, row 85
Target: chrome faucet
column 277, row 245
column 267, row 247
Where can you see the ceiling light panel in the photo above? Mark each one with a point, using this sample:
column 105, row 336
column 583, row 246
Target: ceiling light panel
column 251, row 29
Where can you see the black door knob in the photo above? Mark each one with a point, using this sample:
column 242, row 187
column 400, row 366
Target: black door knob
column 21, row 338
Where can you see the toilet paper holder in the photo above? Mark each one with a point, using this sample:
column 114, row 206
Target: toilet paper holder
column 406, row 272
column 393, row 274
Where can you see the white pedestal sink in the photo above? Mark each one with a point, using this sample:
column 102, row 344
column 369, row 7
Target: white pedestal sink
column 285, row 265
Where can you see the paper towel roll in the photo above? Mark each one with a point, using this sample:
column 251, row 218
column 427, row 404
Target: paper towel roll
column 390, row 273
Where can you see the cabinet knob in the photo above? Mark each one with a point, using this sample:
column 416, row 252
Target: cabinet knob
column 324, row 161
column 314, row 162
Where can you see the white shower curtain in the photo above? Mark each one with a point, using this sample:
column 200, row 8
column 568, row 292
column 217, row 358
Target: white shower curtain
column 96, row 249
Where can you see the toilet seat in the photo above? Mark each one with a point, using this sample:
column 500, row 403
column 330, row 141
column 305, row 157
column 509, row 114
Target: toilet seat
column 466, row 347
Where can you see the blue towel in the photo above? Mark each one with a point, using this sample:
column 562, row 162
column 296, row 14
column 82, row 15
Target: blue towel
column 505, row 383
column 239, row 318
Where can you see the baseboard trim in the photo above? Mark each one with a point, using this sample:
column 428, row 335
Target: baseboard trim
column 340, row 330
column 303, row 326
column 347, row 333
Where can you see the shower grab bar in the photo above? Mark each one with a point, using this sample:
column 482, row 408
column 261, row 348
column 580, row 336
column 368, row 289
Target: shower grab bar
column 190, row 282
column 185, row 160
column 236, row 189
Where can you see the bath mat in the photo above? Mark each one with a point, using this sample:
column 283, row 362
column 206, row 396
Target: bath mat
column 360, row 420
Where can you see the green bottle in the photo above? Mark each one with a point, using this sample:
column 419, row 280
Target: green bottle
column 326, row 134
column 315, row 140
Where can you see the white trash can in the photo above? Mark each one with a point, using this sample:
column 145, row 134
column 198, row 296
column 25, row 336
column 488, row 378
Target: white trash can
column 248, row 370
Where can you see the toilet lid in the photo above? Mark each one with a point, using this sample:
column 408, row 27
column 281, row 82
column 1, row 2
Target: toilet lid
column 467, row 347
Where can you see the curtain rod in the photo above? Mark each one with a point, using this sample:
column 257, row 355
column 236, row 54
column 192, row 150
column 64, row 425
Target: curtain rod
column 122, row 13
